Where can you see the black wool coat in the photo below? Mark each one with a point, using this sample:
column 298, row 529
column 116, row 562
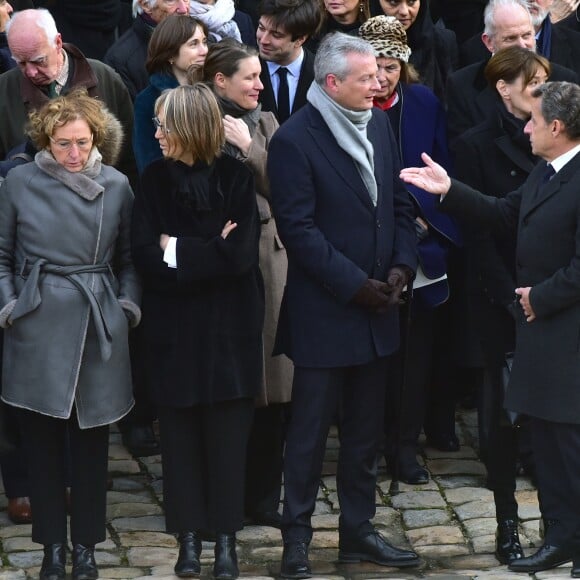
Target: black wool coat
column 544, row 378
column 202, row 321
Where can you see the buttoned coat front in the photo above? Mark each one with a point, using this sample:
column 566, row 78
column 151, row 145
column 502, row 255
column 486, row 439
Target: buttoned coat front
column 336, row 239
column 53, row 356
column 546, row 370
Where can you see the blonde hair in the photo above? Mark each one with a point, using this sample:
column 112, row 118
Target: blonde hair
column 64, row 109
column 193, row 118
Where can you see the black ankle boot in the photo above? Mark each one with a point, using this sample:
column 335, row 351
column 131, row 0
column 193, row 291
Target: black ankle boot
column 188, row 564
column 507, row 542
column 53, row 562
column 84, row 565
column 226, row 559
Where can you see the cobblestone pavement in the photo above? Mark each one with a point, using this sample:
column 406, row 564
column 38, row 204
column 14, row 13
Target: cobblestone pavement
column 449, row 522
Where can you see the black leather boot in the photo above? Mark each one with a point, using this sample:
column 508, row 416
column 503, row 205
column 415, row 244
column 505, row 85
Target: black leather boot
column 188, row 564
column 507, row 542
column 53, row 562
column 84, row 565
column 226, row 560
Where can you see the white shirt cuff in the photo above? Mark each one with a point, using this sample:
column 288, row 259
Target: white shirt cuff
column 170, row 255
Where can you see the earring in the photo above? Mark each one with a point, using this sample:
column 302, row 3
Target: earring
column 361, row 7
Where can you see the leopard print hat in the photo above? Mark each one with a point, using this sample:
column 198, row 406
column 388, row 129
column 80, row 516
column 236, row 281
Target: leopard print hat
column 387, row 36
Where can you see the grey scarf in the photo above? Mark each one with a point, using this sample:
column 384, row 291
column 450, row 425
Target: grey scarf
column 82, row 182
column 349, row 128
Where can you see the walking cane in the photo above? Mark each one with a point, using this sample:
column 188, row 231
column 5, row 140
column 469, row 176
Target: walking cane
column 394, row 487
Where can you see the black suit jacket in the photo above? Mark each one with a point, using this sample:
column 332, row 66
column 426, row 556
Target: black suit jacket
column 267, row 97
column 471, row 101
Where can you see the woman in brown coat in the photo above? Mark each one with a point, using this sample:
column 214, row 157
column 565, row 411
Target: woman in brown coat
column 233, row 71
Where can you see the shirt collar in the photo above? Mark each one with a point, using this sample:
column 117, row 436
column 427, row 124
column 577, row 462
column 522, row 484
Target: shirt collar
column 63, row 75
column 563, row 159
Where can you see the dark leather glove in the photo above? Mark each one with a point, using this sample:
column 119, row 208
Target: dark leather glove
column 397, row 278
column 374, row 295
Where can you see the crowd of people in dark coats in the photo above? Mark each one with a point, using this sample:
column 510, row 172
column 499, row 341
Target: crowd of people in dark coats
column 200, row 88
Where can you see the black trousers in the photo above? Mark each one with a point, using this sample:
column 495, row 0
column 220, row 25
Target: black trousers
column 357, row 392
column 204, row 455
column 45, row 443
column 265, row 459
column 556, row 447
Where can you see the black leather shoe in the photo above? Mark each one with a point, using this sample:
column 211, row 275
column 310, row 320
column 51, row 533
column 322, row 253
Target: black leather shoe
column 545, row 558
column 226, row 560
column 507, row 542
column 140, row 440
column 188, row 564
column 84, row 565
column 575, row 572
column 372, row 547
column 295, row 563
column 413, row 474
column 53, row 562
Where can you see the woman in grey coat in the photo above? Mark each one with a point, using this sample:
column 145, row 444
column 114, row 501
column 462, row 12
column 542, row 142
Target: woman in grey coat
column 68, row 293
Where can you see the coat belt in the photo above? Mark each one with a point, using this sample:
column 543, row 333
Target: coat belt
column 29, row 298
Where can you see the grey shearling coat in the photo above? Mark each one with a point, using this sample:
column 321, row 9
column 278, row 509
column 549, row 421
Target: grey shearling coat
column 53, row 356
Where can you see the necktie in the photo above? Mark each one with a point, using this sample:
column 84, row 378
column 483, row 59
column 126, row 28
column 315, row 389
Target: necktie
column 283, row 95
column 549, row 172
column 52, row 90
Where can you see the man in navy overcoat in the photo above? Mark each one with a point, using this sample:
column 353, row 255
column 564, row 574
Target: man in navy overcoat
column 347, row 223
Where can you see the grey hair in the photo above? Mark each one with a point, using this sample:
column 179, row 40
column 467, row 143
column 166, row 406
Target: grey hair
column 489, row 13
column 332, row 52
column 138, row 9
column 561, row 101
column 43, row 20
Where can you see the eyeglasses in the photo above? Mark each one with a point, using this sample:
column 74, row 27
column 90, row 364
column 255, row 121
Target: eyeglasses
column 65, row 145
column 159, row 125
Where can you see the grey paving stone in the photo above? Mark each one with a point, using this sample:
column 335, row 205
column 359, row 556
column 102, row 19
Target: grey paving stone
column 123, row 466
column 528, row 507
column 12, row 575
column 531, row 532
column 11, row 531
column 435, row 535
column 475, row 509
column 461, row 495
column 120, row 573
column 484, row 544
column 454, row 481
column 423, row 518
column 266, row 554
column 386, row 517
column 128, row 483
column 385, row 485
column 19, row 543
column 259, row 535
column 418, row 499
column 436, row 552
column 25, row 559
column 151, row 556
column 138, row 496
column 325, row 539
column 146, row 523
column 457, row 466
column 477, row 527
column 475, row 562
column 118, row 451
column 107, row 558
column 325, row 521
column 132, row 510
column 141, row 539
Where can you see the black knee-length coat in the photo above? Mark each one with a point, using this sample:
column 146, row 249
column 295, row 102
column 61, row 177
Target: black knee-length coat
column 202, row 321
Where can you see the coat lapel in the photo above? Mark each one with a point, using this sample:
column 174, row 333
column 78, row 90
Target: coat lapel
column 338, row 158
column 541, row 192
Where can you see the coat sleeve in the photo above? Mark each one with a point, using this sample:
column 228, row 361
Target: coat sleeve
column 145, row 147
column 145, row 231
column 562, row 289
column 258, row 153
column 471, row 207
column 8, row 221
column 489, row 263
column 294, row 202
column 129, row 295
column 200, row 259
